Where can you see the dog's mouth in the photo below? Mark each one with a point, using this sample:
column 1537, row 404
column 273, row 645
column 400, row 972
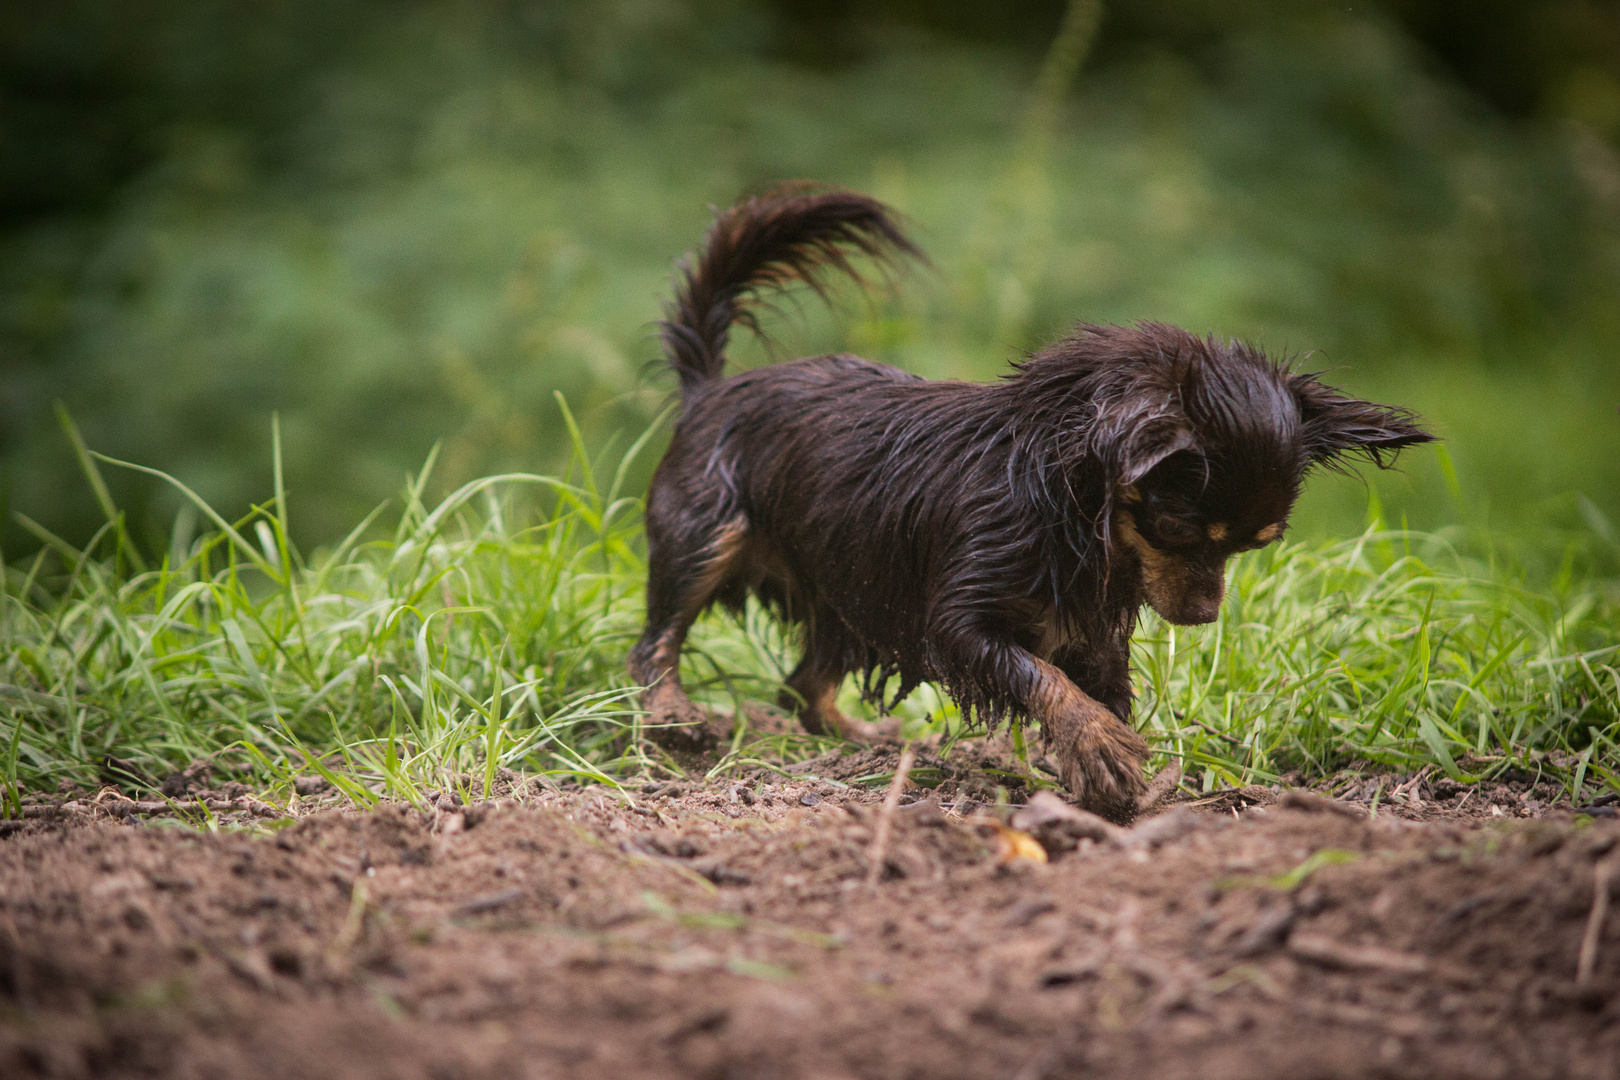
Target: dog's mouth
column 1196, row 603
column 1185, row 591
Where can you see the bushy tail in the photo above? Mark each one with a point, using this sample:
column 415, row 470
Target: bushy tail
column 767, row 242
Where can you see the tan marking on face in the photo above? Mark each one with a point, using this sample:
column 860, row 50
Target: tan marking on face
column 1269, row 533
column 1164, row 576
column 1130, row 494
column 1217, row 531
column 1181, row 592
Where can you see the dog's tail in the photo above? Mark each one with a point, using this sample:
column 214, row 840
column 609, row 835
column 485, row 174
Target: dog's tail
column 766, row 242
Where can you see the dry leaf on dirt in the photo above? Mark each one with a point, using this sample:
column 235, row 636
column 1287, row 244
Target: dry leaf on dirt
column 1015, row 844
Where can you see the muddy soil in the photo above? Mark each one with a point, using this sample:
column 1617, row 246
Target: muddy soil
column 736, row 930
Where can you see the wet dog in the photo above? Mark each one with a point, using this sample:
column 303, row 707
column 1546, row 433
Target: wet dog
column 998, row 540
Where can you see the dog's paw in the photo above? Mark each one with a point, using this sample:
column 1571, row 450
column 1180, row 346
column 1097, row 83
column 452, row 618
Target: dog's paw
column 675, row 722
column 1102, row 765
column 883, row 729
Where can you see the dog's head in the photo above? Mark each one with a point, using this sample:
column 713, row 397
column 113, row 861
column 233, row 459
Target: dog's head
column 1204, row 445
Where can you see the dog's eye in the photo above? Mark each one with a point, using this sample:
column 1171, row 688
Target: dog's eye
column 1176, row 531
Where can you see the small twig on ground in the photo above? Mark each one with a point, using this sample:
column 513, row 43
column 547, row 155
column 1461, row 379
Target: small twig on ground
column 1294, row 799
column 126, row 807
column 885, row 822
column 1409, row 791
column 1594, row 923
column 354, row 925
column 1321, row 949
column 479, row 905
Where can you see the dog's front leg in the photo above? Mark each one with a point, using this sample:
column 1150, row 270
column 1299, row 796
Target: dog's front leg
column 1099, row 756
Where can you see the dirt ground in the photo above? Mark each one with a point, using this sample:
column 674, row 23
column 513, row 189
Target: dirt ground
column 733, row 930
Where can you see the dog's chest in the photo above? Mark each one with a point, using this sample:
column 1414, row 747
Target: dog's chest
column 1053, row 634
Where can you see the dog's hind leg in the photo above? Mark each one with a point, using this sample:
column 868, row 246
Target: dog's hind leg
column 811, row 692
column 684, row 573
column 812, row 695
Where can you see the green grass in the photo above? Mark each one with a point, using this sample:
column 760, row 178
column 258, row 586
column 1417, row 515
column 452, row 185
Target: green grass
column 465, row 643
column 489, row 631
column 1391, row 650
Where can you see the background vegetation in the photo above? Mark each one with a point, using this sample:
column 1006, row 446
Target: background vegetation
column 407, row 225
column 403, row 223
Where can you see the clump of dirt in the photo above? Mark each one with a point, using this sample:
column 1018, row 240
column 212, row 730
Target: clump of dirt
column 977, row 771
column 738, row 929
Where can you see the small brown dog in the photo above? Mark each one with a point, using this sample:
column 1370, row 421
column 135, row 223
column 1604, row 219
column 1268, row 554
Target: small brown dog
column 996, row 539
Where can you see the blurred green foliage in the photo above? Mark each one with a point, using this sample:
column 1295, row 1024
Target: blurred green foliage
column 402, row 223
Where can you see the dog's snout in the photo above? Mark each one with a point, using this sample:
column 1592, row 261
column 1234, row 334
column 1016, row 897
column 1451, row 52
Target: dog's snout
column 1203, row 610
column 1198, row 601
column 1184, row 589
column 1209, row 589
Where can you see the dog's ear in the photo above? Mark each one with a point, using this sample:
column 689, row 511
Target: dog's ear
column 1150, row 443
column 1333, row 425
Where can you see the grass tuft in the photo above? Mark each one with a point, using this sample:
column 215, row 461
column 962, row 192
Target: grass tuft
column 1394, row 651
column 488, row 632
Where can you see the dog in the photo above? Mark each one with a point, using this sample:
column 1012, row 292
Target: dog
column 997, row 539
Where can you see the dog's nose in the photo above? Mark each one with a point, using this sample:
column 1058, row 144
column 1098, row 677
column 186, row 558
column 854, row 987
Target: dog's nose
column 1192, row 611
column 1202, row 606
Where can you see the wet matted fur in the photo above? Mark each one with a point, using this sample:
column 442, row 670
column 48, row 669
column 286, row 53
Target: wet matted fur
column 997, row 539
